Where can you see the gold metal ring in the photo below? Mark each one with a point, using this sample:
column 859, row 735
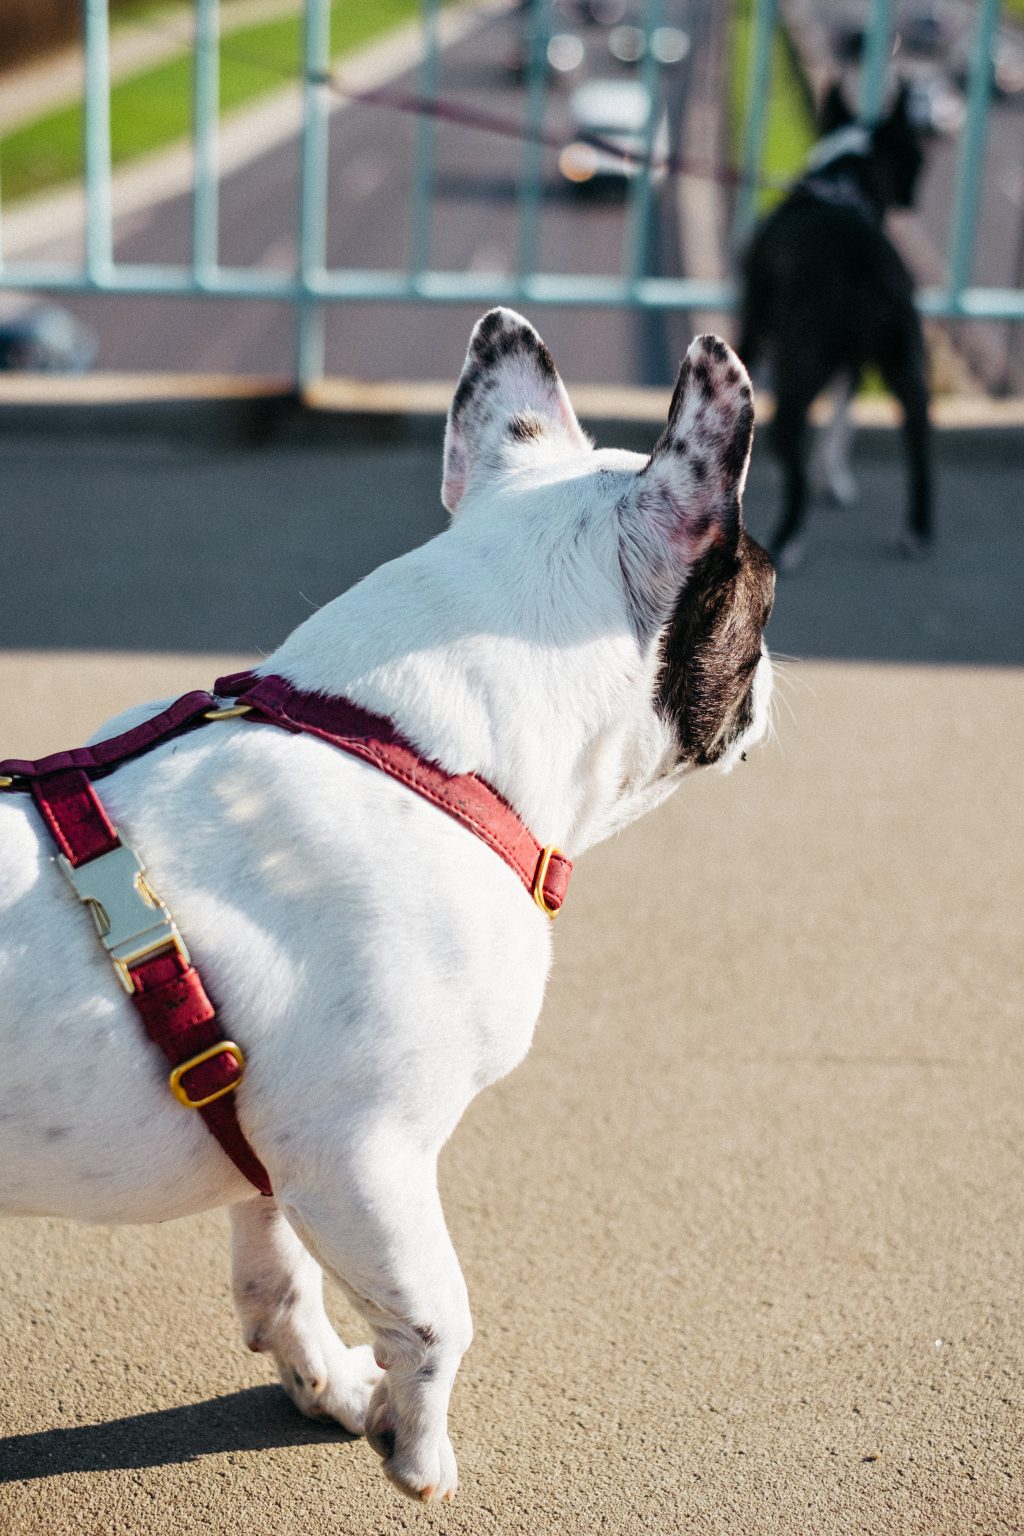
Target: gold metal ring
column 181, row 1093
column 539, row 878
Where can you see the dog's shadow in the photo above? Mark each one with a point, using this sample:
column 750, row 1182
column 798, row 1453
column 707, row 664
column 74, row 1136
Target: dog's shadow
column 256, row 1419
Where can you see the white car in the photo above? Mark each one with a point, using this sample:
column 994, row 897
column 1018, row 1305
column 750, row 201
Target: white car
column 611, row 121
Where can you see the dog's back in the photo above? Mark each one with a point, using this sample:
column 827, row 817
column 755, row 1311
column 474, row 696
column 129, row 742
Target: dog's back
column 821, row 279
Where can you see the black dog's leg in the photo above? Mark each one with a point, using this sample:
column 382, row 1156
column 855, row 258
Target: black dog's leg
column 905, row 375
column 789, row 441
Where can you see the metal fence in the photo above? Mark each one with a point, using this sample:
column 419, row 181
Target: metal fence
column 313, row 284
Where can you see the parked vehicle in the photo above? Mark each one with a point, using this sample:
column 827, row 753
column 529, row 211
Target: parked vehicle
column 45, row 339
column 611, row 120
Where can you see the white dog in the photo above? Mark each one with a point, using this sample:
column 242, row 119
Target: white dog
column 586, row 632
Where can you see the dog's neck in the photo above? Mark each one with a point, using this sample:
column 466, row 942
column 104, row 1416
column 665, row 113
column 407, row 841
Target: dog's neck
column 843, row 168
column 851, row 139
column 454, row 644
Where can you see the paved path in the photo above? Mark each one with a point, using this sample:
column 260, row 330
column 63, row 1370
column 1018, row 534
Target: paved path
column 745, row 1234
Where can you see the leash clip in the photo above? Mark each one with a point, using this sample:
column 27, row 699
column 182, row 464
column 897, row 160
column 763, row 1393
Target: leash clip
column 130, row 918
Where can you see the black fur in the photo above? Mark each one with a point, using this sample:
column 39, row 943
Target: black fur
column 711, row 649
column 826, row 293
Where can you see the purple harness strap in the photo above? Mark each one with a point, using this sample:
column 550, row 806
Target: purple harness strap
column 139, row 933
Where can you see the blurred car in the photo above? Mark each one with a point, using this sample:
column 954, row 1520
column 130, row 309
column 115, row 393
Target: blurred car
column 629, row 44
column 848, row 41
column 565, row 52
column 610, row 120
column 923, row 32
column 1007, row 78
column 45, row 339
column 935, row 106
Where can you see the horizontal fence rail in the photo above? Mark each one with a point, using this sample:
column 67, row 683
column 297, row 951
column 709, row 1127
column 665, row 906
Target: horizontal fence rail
column 313, row 284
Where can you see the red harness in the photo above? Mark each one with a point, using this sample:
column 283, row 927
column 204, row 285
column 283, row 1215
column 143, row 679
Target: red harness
column 137, row 930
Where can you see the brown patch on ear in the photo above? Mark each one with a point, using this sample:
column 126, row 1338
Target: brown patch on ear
column 712, row 646
column 524, row 428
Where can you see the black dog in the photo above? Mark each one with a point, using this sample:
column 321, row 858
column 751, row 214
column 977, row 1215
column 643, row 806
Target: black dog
column 826, row 293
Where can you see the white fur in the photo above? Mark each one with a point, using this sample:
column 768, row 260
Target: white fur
column 378, row 962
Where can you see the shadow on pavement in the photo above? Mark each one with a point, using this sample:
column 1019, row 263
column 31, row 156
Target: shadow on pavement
column 256, row 1419
column 127, row 537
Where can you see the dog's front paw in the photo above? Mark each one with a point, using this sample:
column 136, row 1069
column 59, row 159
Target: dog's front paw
column 421, row 1464
column 331, row 1382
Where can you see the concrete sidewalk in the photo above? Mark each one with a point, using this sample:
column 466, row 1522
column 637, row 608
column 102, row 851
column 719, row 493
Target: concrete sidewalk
column 744, row 1236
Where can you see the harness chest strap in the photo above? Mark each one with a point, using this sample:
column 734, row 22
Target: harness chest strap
column 150, row 957
column 139, row 934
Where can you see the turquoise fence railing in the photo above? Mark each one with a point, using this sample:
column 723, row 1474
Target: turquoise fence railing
column 314, row 284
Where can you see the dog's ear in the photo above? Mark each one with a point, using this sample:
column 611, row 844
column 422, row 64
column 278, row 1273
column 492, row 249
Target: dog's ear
column 899, row 111
column 686, row 500
column 835, row 110
column 509, row 392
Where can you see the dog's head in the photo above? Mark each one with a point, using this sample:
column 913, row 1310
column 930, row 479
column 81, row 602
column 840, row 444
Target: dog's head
column 893, row 154
column 642, row 566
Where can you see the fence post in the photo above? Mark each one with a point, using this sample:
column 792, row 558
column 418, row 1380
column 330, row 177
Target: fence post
column 205, row 204
column 309, row 360
column 426, row 144
column 99, row 239
column 972, row 153
column 875, row 61
column 759, row 79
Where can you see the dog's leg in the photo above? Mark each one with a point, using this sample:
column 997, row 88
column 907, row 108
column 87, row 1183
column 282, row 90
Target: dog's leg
column 381, row 1234
column 832, row 451
column 906, row 377
column 789, row 441
column 278, row 1290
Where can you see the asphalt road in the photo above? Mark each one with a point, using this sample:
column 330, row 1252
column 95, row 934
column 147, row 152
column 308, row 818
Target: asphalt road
column 475, row 228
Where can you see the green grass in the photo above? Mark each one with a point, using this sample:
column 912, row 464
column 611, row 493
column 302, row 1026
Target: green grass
column 155, row 108
column 791, row 128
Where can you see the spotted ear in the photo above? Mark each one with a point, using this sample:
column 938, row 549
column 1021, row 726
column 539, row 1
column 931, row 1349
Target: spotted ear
column 687, row 498
column 509, row 393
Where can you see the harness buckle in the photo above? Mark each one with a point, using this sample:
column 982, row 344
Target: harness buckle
column 181, row 1093
column 538, row 881
column 131, row 920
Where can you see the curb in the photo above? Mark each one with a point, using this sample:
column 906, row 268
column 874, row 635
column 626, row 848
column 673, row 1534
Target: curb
column 212, row 409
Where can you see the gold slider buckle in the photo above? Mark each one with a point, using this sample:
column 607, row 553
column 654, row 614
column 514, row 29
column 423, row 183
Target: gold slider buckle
column 181, row 1093
column 130, row 918
column 5, row 781
column 538, row 881
column 227, row 712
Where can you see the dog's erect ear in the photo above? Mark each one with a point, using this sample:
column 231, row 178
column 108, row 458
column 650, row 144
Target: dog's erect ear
column 509, row 393
column 686, row 499
column 898, row 112
column 835, row 110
